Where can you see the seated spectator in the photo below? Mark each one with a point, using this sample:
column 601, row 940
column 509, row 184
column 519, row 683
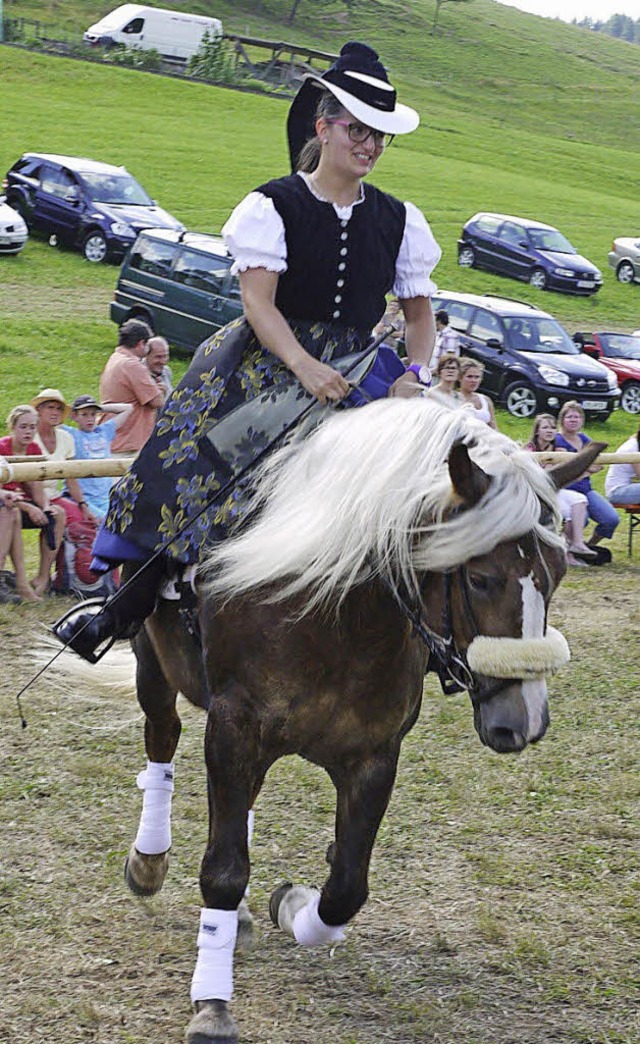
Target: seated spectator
column 446, row 391
column 92, row 441
column 572, row 438
column 573, row 505
column 157, row 363
column 57, row 444
column 622, row 484
column 35, row 510
column 480, row 406
column 447, row 340
column 13, row 588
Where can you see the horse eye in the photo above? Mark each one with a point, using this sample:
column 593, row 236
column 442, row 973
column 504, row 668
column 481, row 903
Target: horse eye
column 479, row 582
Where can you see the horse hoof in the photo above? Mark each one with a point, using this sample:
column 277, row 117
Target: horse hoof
column 212, row 1024
column 145, row 874
column 245, row 939
column 276, row 899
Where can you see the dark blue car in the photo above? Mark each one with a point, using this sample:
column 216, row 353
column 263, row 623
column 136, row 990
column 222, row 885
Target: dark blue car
column 94, row 207
column 528, row 250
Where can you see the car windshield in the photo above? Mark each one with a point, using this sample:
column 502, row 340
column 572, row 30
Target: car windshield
column 550, row 239
column 116, row 188
column 621, row 346
column 539, row 335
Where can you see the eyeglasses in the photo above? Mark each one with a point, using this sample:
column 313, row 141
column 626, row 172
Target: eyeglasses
column 359, row 133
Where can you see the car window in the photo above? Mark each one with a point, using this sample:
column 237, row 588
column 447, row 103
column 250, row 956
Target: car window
column 540, row 335
column 550, row 239
column 488, row 225
column 459, row 315
column 485, row 325
column 152, row 257
column 620, row 346
column 58, row 183
column 512, row 234
column 135, row 26
column 201, row 271
column 118, row 189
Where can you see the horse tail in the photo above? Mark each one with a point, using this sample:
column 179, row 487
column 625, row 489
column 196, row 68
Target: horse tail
column 114, row 675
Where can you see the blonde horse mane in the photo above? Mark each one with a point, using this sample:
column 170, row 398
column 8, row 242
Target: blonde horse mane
column 369, row 494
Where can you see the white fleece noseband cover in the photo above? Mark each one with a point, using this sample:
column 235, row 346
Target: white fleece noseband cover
column 522, row 658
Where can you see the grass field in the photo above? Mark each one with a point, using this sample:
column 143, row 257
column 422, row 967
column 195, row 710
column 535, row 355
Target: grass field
column 504, row 891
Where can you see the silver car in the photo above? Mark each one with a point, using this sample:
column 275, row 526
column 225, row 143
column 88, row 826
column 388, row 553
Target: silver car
column 13, row 230
column 624, row 258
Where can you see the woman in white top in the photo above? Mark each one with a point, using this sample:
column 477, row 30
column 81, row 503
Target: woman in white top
column 316, row 252
column 470, row 376
column 622, row 484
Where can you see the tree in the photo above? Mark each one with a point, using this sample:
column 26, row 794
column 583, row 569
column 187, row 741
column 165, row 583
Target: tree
column 439, row 4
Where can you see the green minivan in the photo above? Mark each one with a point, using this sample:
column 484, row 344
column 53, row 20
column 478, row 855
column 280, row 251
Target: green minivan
column 180, row 283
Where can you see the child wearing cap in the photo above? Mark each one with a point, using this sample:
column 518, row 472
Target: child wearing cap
column 92, row 441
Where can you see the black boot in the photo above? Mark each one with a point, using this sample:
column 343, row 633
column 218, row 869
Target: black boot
column 86, row 627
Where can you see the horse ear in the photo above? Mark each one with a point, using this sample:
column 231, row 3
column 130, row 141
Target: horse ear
column 568, row 471
column 469, row 480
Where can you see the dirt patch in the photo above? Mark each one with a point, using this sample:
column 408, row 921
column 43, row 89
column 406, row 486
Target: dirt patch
column 504, row 891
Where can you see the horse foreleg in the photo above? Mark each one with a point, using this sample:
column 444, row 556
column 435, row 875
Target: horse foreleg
column 313, row 917
column 148, row 860
column 234, row 778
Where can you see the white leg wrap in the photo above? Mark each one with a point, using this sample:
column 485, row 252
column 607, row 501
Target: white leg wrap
column 310, row 930
column 213, row 975
column 154, row 832
column 250, row 821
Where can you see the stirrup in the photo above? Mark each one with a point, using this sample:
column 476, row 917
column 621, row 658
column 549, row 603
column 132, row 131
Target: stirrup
column 99, row 603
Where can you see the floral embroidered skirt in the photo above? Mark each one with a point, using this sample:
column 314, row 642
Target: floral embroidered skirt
column 191, row 481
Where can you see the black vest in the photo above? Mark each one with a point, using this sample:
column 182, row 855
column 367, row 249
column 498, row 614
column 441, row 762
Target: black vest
column 337, row 271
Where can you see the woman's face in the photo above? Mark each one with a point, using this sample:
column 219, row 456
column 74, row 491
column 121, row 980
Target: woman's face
column 51, row 412
column 24, row 430
column 572, row 421
column 546, row 431
column 347, row 157
column 449, row 371
column 470, row 380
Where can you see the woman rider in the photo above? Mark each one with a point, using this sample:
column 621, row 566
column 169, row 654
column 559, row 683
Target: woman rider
column 316, row 253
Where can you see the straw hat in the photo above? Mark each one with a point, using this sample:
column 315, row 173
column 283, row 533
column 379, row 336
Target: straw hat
column 51, row 395
column 359, row 81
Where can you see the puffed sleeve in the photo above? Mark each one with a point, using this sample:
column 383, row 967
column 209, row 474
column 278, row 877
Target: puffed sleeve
column 254, row 235
column 418, row 256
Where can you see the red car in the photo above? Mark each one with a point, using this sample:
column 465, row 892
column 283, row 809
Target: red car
column 621, row 353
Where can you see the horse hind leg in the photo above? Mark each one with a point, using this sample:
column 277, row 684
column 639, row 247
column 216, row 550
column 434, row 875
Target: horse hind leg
column 147, row 864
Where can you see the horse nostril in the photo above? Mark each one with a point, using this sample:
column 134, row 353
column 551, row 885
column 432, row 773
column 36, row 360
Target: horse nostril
column 505, row 741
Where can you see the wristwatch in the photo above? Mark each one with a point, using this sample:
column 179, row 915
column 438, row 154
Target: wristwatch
column 422, row 372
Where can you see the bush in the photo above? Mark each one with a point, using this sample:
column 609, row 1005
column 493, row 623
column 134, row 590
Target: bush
column 134, row 58
column 215, row 60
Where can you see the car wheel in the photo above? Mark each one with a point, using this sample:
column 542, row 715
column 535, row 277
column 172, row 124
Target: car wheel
column 94, row 246
column 630, row 398
column 521, row 400
column 538, row 279
column 467, row 257
column 142, row 317
column 625, row 272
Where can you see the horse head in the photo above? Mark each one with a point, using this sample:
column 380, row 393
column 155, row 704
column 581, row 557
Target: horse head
column 494, row 636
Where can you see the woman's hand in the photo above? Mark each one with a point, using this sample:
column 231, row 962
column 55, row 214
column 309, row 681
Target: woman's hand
column 34, row 513
column 11, row 497
column 320, row 380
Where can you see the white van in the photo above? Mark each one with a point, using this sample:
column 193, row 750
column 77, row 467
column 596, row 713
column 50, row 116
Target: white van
column 171, row 33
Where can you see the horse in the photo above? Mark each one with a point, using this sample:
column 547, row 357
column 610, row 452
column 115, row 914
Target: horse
column 394, row 540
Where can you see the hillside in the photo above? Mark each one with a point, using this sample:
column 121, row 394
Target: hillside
column 520, row 114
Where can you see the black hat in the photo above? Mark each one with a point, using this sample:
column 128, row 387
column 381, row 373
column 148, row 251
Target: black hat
column 83, row 402
column 359, row 81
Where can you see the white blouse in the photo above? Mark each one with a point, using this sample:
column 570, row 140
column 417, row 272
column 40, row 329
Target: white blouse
column 254, row 235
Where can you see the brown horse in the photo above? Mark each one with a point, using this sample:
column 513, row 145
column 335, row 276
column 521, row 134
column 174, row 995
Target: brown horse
column 396, row 539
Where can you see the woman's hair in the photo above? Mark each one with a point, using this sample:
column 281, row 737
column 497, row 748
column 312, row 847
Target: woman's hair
column 568, row 406
column 470, row 364
column 328, row 108
column 17, row 412
column 536, row 427
column 446, row 360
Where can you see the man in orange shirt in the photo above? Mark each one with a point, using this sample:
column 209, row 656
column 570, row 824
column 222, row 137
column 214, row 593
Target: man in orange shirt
column 125, row 378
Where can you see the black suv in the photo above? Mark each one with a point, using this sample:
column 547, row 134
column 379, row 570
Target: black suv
column 531, row 363
column 92, row 206
column 528, row 250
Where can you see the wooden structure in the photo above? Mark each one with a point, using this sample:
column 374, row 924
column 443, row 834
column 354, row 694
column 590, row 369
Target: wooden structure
column 284, row 64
